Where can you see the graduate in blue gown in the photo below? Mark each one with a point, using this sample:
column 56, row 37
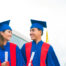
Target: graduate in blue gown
column 36, row 31
column 8, row 58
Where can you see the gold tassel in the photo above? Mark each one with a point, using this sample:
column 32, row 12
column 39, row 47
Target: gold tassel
column 46, row 36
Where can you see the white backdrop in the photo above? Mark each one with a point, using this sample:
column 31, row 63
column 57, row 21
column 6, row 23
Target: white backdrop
column 53, row 11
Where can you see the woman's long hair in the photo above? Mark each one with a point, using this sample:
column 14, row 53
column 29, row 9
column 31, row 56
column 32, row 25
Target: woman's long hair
column 1, row 41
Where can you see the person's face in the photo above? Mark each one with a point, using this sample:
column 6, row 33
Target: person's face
column 35, row 33
column 7, row 34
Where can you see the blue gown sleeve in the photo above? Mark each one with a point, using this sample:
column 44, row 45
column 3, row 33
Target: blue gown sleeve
column 52, row 58
column 19, row 57
column 23, row 52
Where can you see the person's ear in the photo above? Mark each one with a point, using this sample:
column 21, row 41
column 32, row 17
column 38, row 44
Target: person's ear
column 40, row 32
column 1, row 33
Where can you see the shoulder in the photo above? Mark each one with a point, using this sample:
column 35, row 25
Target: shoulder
column 13, row 45
column 27, row 44
column 46, row 45
column 49, row 47
column 51, row 50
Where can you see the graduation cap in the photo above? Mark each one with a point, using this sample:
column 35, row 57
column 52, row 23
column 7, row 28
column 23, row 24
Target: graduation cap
column 40, row 25
column 5, row 25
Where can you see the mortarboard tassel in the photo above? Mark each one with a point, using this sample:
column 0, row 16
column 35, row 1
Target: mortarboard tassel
column 46, row 36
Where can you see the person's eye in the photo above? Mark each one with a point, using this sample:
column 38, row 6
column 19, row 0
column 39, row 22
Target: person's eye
column 33, row 30
column 9, row 31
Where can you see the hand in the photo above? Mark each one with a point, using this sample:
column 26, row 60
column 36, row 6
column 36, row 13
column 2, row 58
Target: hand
column 4, row 64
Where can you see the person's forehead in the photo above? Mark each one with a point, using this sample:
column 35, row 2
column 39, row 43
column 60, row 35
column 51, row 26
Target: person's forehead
column 8, row 30
column 33, row 28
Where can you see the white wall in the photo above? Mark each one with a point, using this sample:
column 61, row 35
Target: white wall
column 53, row 11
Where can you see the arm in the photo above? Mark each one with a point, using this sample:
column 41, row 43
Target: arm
column 23, row 53
column 19, row 58
column 52, row 59
column 0, row 63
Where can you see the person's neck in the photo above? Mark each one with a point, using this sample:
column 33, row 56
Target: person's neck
column 5, row 41
column 38, row 40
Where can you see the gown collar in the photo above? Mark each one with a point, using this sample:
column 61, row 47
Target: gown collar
column 7, row 44
column 40, row 42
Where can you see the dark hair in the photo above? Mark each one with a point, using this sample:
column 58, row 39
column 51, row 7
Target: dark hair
column 1, row 41
column 41, row 30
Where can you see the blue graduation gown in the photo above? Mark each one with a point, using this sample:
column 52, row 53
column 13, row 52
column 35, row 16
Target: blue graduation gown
column 19, row 58
column 51, row 59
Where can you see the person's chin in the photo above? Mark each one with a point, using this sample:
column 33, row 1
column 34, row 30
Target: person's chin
column 32, row 39
column 8, row 39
